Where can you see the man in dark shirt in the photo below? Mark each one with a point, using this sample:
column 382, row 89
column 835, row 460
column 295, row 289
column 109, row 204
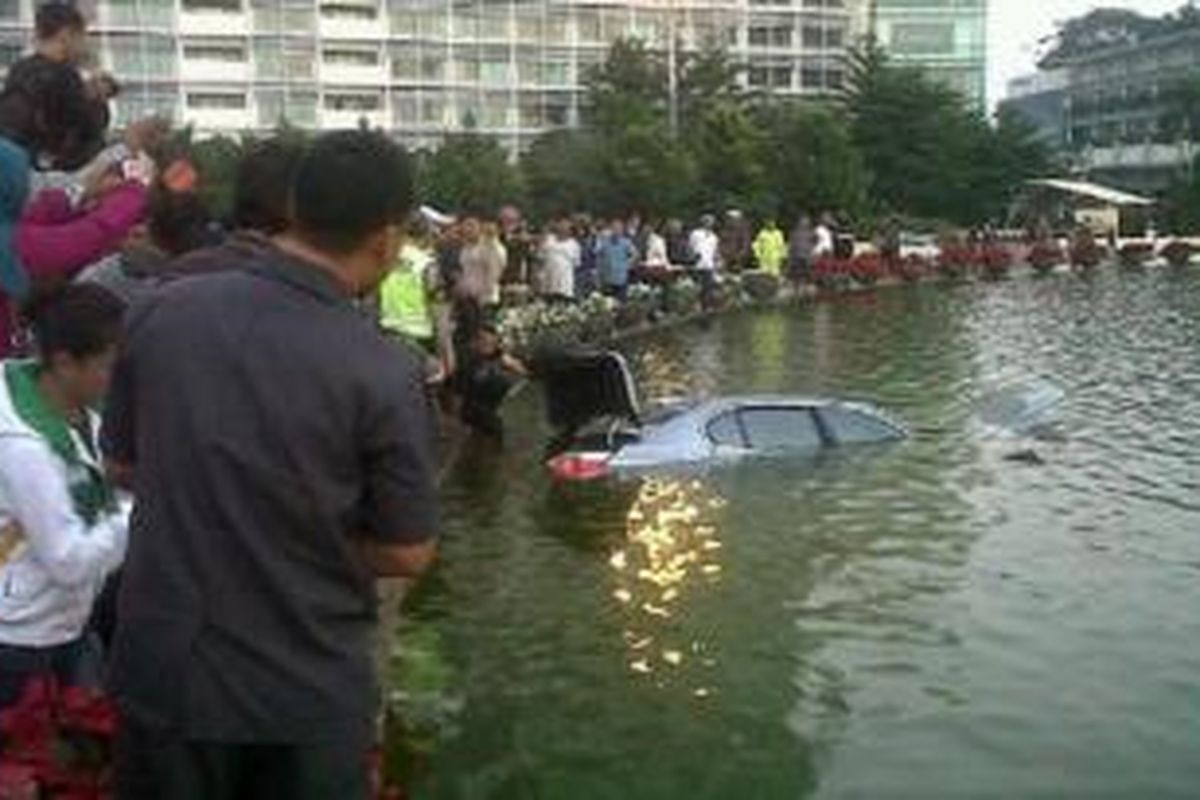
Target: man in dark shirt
column 282, row 458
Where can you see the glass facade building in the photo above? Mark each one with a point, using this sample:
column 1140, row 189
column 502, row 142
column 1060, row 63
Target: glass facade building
column 948, row 38
column 422, row 68
column 1114, row 102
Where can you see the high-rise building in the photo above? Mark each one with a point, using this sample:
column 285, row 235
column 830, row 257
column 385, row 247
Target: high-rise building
column 421, row 68
column 1110, row 83
column 947, row 38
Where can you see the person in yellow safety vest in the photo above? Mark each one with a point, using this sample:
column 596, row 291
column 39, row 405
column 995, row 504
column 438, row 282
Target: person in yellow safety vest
column 770, row 248
column 404, row 295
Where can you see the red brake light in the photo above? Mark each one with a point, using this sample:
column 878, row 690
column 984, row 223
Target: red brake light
column 579, row 467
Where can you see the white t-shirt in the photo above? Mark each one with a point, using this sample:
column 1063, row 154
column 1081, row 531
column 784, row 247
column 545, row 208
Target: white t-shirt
column 704, row 244
column 656, row 251
column 560, row 259
column 823, row 241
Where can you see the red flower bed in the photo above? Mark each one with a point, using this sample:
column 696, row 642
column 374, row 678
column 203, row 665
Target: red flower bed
column 1136, row 254
column 831, row 273
column 1085, row 253
column 867, row 268
column 995, row 260
column 1045, row 256
column 57, row 742
column 955, row 260
column 1178, row 253
column 912, row 268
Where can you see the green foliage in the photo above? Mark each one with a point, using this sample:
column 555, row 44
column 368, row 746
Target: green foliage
column 926, row 152
column 1182, row 117
column 469, row 172
column 812, row 161
column 895, row 143
column 1181, row 204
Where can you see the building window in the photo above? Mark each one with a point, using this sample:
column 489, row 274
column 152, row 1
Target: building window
column 770, row 76
column 494, row 72
column 923, row 38
column 432, row 68
column 558, row 110
column 404, row 108
column 556, row 73
column 813, row 37
column 204, row 6
column 494, row 26
column 345, row 101
column 433, row 109
column 529, row 27
column 350, row 57
column 226, row 54
column 406, row 66
column 465, row 69
column 365, row 12
column 216, row 100
column 10, row 51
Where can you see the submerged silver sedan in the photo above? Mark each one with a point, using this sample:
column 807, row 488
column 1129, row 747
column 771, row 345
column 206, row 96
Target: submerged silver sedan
column 602, row 431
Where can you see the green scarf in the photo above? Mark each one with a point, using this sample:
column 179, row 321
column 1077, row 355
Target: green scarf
column 90, row 496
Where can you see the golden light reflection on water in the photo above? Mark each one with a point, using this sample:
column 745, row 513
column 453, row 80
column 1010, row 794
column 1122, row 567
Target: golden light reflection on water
column 671, row 551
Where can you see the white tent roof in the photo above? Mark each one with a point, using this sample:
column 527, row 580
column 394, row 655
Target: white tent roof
column 1094, row 191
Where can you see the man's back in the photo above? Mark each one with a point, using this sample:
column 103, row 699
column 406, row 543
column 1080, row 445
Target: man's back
column 270, row 425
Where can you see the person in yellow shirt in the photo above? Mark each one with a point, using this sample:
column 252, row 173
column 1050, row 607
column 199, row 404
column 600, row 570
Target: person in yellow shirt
column 770, row 248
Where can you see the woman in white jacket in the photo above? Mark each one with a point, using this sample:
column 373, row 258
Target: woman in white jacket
column 62, row 531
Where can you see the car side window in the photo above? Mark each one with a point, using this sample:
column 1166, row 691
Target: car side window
column 850, row 426
column 725, row 431
column 781, row 428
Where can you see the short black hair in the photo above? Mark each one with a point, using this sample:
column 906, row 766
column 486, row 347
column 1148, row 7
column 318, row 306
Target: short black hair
column 178, row 222
column 263, row 185
column 350, row 184
column 79, row 319
column 54, row 17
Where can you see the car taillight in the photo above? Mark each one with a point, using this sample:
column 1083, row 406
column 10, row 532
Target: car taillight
column 579, row 467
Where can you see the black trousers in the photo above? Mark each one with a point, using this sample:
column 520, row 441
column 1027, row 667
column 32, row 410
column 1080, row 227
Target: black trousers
column 151, row 766
column 76, row 663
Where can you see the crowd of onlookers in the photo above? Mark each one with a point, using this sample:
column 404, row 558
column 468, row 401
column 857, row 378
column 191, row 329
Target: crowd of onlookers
column 208, row 452
column 577, row 255
column 266, row 377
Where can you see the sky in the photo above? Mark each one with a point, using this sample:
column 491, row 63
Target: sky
column 1015, row 26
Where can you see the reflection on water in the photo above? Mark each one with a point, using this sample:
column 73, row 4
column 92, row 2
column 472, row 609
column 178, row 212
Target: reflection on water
column 925, row 620
column 671, row 550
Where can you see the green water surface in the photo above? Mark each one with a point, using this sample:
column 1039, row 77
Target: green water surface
column 923, row 620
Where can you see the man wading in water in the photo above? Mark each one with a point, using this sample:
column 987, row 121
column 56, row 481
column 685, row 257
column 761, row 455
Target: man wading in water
column 282, row 456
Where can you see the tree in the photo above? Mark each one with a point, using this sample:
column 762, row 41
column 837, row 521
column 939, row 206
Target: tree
column 812, row 163
column 926, row 152
column 561, row 172
column 469, row 173
column 1182, row 117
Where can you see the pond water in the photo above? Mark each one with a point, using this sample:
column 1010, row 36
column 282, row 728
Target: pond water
column 925, row 620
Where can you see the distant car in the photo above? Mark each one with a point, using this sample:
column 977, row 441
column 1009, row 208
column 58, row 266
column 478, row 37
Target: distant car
column 921, row 245
column 592, row 403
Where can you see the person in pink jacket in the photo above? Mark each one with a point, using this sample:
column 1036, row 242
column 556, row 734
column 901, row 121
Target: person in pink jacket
column 55, row 238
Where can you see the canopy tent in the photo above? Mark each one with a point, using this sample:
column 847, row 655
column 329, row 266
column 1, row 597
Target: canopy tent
column 1061, row 204
column 1093, row 191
